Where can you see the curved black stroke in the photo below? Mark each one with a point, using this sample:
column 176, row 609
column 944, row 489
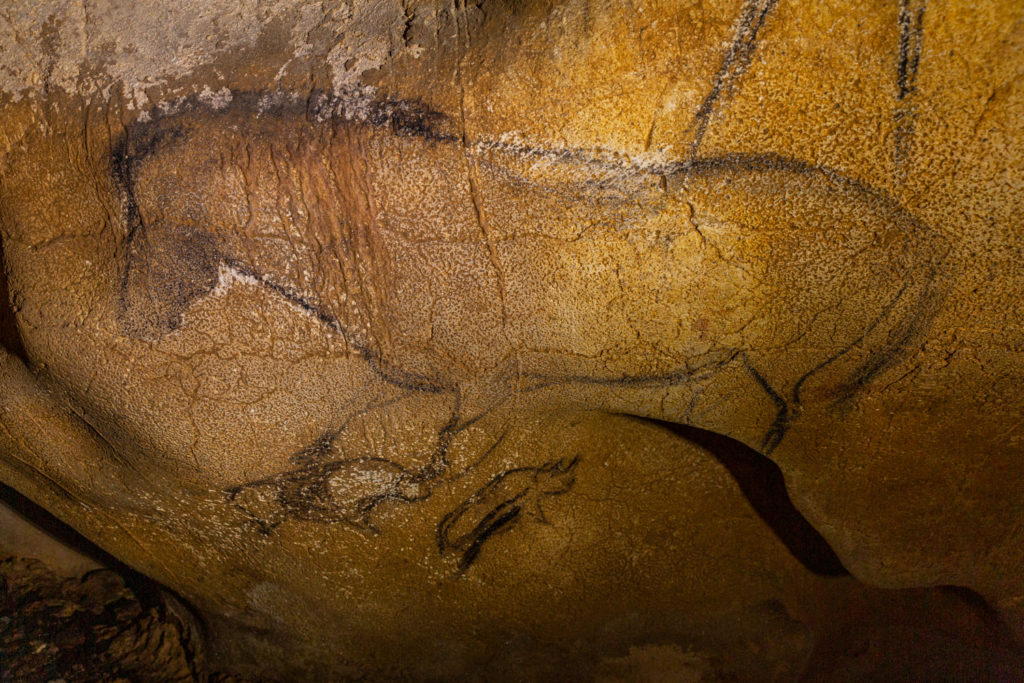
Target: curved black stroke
column 911, row 25
column 734, row 65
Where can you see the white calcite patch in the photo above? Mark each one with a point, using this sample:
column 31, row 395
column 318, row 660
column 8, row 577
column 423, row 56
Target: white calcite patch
column 106, row 45
column 228, row 276
column 216, row 100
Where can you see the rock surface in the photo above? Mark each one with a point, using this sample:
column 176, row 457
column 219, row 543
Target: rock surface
column 367, row 327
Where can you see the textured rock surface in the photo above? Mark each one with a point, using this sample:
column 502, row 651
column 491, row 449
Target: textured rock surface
column 332, row 318
column 93, row 628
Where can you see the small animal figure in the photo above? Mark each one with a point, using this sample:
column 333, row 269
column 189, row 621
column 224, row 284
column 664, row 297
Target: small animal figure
column 339, row 491
column 499, row 506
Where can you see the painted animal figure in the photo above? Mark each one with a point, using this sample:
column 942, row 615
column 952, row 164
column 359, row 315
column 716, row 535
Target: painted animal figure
column 504, row 501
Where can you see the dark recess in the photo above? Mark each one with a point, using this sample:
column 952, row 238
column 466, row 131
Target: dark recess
column 89, row 627
column 9, row 337
column 146, row 589
column 762, row 484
